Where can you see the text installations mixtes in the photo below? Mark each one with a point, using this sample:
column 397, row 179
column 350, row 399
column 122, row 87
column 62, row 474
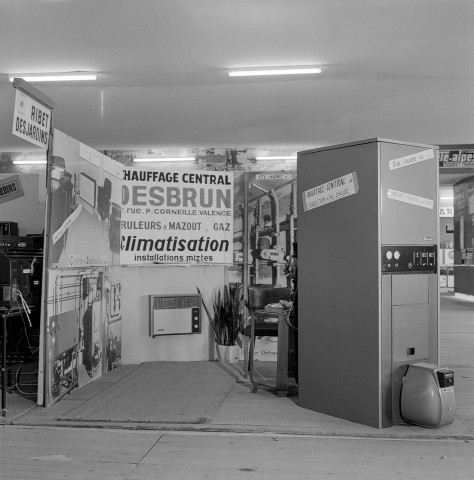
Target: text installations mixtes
column 174, row 244
column 173, row 216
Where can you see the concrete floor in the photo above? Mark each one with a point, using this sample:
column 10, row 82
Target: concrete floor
column 253, row 434
column 51, row 453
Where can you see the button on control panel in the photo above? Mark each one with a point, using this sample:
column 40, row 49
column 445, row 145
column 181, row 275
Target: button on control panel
column 409, row 258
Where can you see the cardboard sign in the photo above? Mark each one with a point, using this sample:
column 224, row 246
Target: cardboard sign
column 409, row 198
column 411, row 159
column 31, row 120
column 331, row 191
column 10, row 188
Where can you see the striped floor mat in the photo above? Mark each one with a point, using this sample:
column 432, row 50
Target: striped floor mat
column 159, row 392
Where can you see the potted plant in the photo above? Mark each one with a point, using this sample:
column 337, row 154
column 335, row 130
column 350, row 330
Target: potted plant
column 226, row 321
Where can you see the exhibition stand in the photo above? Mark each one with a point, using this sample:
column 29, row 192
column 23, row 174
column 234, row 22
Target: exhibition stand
column 133, row 257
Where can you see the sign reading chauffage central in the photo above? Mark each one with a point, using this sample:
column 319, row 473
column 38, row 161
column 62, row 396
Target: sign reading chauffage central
column 176, row 217
column 330, row 191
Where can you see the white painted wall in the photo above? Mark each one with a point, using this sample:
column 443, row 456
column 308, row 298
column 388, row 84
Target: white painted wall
column 137, row 284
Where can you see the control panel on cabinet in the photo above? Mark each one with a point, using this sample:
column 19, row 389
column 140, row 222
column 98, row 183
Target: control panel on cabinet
column 409, row 258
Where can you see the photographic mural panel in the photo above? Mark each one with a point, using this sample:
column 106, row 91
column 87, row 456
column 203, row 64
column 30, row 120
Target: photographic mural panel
column 82, row 330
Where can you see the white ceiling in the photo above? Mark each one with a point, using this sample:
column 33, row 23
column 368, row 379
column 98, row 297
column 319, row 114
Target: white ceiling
column 399, row 69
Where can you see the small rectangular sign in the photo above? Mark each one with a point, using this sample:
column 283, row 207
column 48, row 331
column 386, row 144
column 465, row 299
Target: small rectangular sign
column 274, row 176
column 10, row 188
column 31, row 120
column 80, row 261
column 411, row 199
column 446, row 212
column 331, row 191
column 411, row 159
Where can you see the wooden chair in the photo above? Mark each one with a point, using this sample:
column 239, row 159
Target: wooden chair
column 258, row 298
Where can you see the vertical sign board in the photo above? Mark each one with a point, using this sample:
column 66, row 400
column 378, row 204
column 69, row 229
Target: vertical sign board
column 176, row 217
column 31, row 120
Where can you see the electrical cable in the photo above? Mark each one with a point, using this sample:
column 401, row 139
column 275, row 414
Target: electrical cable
column 30, row 348
column 26, row 308
column 290, row 306
column 27, row 311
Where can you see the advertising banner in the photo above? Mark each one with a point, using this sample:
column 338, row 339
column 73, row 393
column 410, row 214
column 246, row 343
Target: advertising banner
column 176, row 217
column 456, row 158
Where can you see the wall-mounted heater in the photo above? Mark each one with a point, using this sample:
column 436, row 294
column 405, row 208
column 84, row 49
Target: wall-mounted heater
column 175, row 314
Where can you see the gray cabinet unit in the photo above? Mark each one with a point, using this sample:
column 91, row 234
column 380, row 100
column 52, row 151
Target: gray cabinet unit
column 367, row 275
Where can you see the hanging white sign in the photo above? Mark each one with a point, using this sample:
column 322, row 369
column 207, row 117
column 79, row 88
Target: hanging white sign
column 10, row 189
column 411, row 159
column 411, row 199
column 31, row 120
column 330, row 191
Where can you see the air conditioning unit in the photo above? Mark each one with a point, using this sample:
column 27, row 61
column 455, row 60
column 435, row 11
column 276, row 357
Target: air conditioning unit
column 175, row 314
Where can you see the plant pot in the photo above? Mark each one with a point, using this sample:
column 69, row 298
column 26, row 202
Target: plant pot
column 228, row 353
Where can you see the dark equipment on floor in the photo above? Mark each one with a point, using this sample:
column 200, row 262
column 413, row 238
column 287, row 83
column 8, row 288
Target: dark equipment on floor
column 21, row 270
column 258, row 299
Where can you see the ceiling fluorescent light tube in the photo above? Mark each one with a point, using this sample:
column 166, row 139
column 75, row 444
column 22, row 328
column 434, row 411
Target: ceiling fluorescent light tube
column 274, row 71
column 54, row 77
column 280, row 157
column 164, row 159
column 29, row 162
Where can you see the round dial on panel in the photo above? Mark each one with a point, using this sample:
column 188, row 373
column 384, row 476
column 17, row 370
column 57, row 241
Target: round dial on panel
column 396, row 255
column 388, row 254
